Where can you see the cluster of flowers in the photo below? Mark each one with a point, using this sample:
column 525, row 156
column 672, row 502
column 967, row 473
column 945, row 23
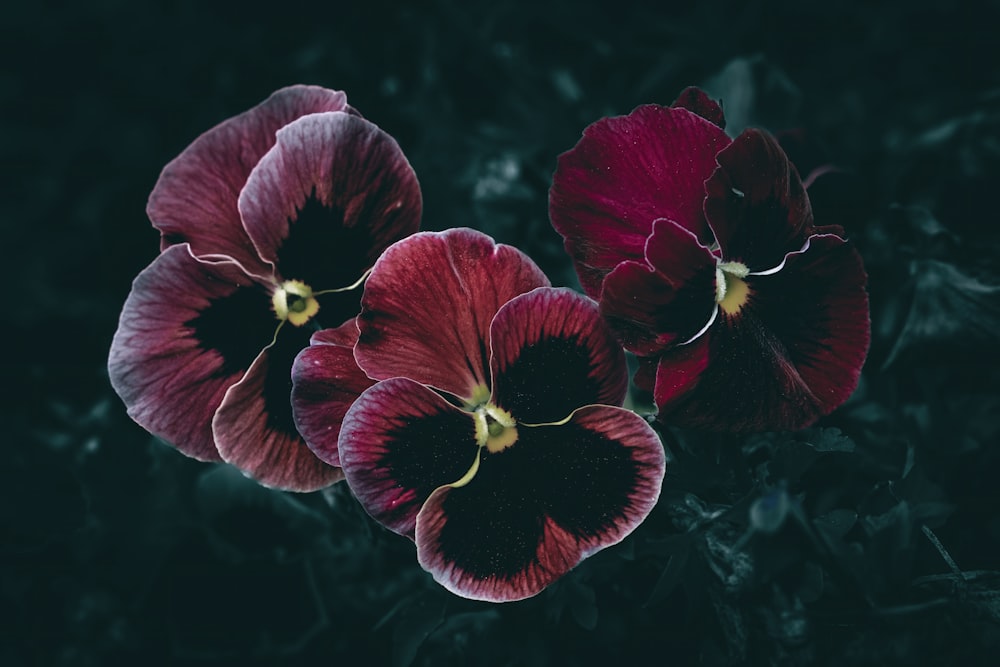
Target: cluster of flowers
column 471, row 406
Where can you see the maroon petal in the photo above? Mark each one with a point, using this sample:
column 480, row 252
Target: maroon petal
column 255, row 429
column 695, row 100
column 666, row 300
column 677, row 371
column 645, row 373
column 399, row 442
column 539, row 507
column 624, row 173
column 325, row 383
column 428, row 304
column 793, row 353
column 552, row 353
column 345, row 335
column 194, row 201
column 188, row 331
column 756, row 204
column 327, row 199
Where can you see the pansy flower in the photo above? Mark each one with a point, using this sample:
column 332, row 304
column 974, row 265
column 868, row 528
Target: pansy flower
column 492, row 439
column 270, row 222
column 707, row 263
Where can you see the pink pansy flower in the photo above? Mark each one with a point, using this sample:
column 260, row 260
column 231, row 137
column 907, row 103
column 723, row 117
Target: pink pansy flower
column 270, row 222
column 492, row 439
column 707, row 263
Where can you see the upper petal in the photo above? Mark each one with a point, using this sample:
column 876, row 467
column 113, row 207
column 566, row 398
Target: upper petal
column 194, row 200
column 756, row 204
column 399, row 442
column 793, row 353
column 254, row 427
column 188, row 331
column 666, row 300
column 326, row 200
column 428, row 305
column 551, row 354
column 626, row 172
column 325, row 383
column 536, row 509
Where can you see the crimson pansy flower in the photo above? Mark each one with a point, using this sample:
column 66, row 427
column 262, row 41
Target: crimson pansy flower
column 707, row 263
column 269, row 222
column 492, row 439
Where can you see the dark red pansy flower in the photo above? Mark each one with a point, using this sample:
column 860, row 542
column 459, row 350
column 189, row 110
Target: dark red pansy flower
column 491, row 439
column 270, row 221
column 704, row 255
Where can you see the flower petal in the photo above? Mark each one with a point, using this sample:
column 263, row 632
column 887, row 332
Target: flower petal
column 756, row 204
column 536, row 509
column 624, row 173
column 399, row 442
column 695, row 100
column 255, row 429
column 325, row 383
column 677, row 371
column 194, row 200
column 328, row 198
column 552, row 353
column 176, row 350
column 345, row 335
column 665, row 300
column 792, row 354
column 428, row 304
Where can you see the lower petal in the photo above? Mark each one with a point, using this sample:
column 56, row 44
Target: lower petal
column 536, row 509
column 399, row 442
column 325, row 383
column 255, row 430
column 599, row 473
column 791, row 355
column 175, row 354
column 491, row 543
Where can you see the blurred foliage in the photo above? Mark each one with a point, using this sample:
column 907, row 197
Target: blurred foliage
column 870, row 539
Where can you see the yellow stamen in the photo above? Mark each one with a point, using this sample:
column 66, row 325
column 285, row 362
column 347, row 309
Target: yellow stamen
column 496, row 429
column 295, row 302
column 731, row 291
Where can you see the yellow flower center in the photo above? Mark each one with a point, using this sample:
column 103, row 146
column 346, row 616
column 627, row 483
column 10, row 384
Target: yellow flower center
column 731, row 291
column 496, row 429
column 294, row 301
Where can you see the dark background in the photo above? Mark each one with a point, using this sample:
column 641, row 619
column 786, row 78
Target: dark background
column 117, row 550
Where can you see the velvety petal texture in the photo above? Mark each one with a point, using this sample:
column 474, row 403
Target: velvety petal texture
column 626, row 172
column 194, row 200
column 325, row 383
column 328, row 198
column 428, row 305
column 270, row 223
column 487, row 439
column 792, row 355
column 757, row 320
column 399, row 442
column 552, row 353
column 535, row 510
column 254, row 429
column 171, row 359
column 665, row 300
column 756, row 204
